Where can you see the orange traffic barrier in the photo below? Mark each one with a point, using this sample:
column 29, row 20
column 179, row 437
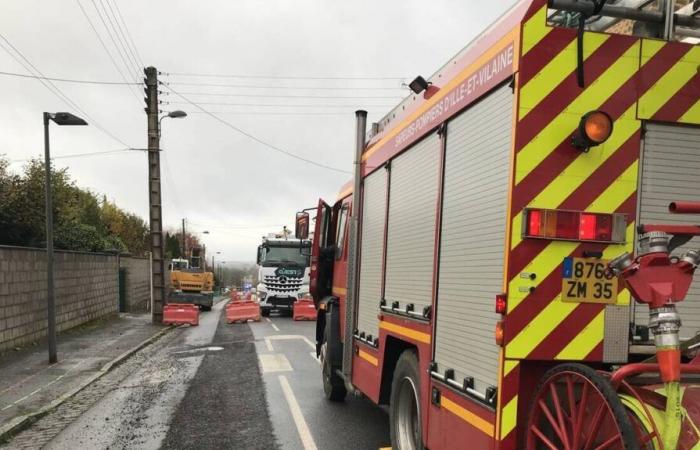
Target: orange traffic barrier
column 180, row 313
column 304, row 309
column 242, row 311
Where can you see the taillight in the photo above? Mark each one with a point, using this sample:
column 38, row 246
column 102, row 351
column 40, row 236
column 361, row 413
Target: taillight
column 574, row 225
column 501, row 304
column 500, row 333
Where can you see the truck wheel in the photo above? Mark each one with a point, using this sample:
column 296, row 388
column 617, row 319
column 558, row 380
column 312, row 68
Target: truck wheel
column 574, row 406
column 333, row 385
column 265, row 312
column 405, row 420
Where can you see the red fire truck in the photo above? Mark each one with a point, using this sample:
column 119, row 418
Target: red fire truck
column 462, row 278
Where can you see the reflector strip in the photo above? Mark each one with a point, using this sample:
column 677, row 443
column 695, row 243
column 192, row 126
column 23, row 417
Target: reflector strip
column 535, row 30
column 586, row 340
column 407, row 332
column 477, row 422
column 509, row 416
column 369, row 358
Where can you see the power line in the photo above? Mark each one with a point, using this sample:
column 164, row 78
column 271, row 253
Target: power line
column 253, row 86
column 128, row 34
column 67, row 80
column 31, row 68
column 255, row 138
column 273, row 113
column 275, row 105
column 80, row 155
column 130, row 52
column 111, row 37
column 104, row 46
column 279, row 77
column 327, row 97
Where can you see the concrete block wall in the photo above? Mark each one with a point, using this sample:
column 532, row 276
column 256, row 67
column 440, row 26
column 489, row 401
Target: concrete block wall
column 138, row 283
column 86, row 288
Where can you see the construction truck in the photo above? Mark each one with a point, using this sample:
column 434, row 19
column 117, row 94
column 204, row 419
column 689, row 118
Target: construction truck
column 190, row 282
column 283, row 272
column 478, row 276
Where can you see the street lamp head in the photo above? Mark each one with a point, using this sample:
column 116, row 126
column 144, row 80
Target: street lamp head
column 205, row 232
column 177, row 114
column 66, row 118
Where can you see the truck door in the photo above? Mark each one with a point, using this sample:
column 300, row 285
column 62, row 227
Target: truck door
column 321, row 272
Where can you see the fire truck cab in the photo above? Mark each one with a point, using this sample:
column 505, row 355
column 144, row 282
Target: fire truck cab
column 462, row 278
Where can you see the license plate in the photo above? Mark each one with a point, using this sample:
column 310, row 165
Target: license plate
column 585, row 281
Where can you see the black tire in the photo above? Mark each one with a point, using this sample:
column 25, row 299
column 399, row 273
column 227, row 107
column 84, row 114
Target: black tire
column 601, row 388
column 265, row 312
column 405, row 415
column 333, row 385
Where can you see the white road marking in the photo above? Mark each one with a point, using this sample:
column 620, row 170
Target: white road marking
column 275, row 362
column 307, row 439
column 268, row 343
column 274, row 326
column 268, row 319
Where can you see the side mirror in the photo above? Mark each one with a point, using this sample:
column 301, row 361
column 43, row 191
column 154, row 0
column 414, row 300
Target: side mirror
column 301, row 229
column 260, row 250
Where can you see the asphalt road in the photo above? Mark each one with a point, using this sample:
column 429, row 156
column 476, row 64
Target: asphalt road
column 214, row 386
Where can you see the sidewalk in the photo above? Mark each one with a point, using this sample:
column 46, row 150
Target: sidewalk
column 29, row 385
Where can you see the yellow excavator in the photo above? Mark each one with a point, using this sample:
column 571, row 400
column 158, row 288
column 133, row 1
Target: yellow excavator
column 190, row 282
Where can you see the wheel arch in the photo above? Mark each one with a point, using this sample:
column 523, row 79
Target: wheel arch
column 393, row 348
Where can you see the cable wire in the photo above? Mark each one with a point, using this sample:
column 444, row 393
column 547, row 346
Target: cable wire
column 104, row 46
column 128, row 34
column 126, row 46
column 114, row 41
column 69, row 80
column 255, row 138
column 275, row 105
column 326, row 97
column 252, row 86
column 278, row 77
column 79, row 155
column 31, row 68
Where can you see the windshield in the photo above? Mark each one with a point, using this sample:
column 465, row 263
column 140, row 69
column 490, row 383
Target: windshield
column 284, row 255
column 178, row 265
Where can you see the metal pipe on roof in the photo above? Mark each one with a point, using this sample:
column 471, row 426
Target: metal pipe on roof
column 624, row 13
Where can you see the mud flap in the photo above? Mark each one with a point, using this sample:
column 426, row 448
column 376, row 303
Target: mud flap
column 181, row 313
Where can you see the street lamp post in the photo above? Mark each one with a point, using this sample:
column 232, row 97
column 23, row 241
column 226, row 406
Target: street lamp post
column 61, row 118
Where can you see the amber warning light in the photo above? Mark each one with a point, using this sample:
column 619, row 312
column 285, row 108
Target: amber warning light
column 574, row 225
column 594, row 128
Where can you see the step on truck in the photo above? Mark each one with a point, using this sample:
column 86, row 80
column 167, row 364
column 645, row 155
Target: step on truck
column 283, row 272
column 495, row 273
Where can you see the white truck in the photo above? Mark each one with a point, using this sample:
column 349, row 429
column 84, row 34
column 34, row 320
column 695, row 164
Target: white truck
column 283, row 272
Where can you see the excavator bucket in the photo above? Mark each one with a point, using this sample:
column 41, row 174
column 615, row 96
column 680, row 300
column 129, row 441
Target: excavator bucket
column 242, row 311
column 304, row 309
column 181, row 313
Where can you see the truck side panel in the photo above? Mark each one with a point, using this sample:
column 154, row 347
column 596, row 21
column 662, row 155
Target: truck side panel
column 471, row 262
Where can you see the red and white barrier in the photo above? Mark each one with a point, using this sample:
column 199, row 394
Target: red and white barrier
column 181, row 313
column 304, row 309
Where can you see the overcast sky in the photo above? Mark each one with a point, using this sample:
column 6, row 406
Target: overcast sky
column 220, row 180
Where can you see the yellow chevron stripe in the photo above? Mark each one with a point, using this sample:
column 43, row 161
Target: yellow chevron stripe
column 542, row 145
column 692, row 115
column 626, row 183
column 509, row 365
column 535, row 29
column 586, row 340
column 578, row 171
column 477, row 422
column 509, row 417
column 555, row 72
column 670, row 83
column 554, row 313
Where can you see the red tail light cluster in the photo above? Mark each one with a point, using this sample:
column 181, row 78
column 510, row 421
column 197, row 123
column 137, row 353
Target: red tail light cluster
column 501, row 304
column 574, row 225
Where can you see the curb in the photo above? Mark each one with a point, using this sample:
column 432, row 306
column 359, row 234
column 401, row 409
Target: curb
column 20, row 423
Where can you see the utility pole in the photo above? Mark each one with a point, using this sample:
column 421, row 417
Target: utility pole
column 154, row 193
column 184, row 242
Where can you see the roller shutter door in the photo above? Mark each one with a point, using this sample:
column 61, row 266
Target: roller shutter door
column 413, row 194
column 472, row 239
column 372, row 248
column 671, row 172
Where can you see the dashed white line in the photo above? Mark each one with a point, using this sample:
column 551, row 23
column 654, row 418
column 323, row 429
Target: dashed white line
column 307, row 439
column 268, row 343
column 274, row 326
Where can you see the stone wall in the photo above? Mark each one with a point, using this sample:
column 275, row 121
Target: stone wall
column 138, row 283
column 86, row 288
